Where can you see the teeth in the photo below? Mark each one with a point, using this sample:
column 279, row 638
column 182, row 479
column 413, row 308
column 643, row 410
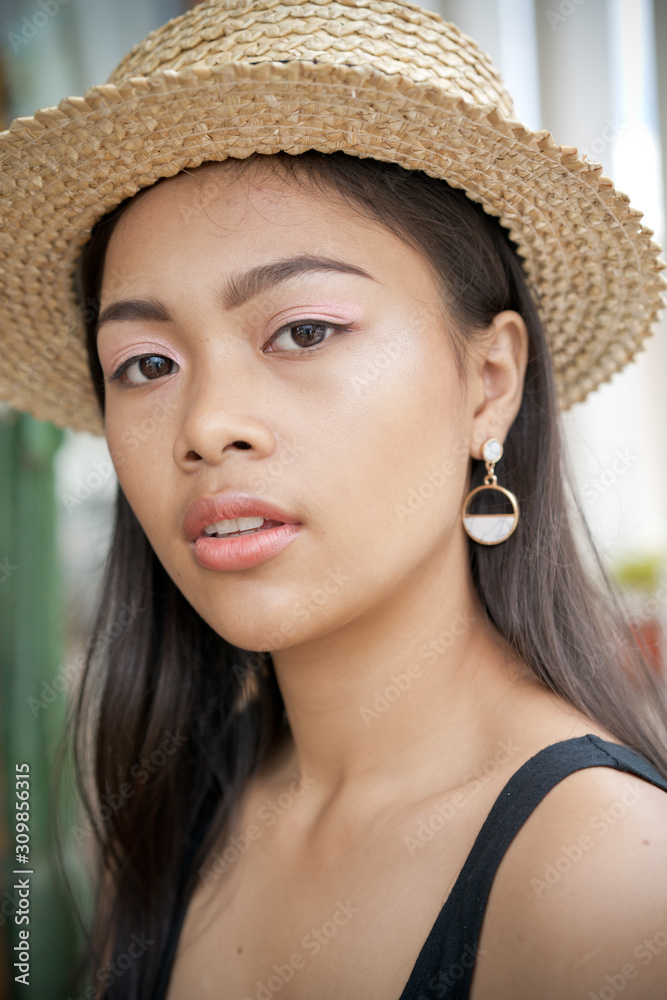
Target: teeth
column 236, row 524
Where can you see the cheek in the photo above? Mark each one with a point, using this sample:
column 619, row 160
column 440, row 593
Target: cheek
column 137, row 432
column 408, row 412
column 397, row 455
column 139, row 452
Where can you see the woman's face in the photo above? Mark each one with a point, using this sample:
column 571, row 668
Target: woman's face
column 330, row 392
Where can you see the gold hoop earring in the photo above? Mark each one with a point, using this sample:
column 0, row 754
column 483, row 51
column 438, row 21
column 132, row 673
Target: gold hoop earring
column 490, row 529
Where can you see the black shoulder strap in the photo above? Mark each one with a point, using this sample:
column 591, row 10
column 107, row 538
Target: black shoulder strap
column 452, row 944
column 194, row 840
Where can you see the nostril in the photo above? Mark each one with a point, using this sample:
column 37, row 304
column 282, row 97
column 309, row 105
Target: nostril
column 241, row 444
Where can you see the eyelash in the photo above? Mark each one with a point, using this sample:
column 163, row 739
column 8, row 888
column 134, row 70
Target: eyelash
column 337, row 327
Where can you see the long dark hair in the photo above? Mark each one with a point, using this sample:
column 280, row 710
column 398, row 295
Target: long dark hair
column 165, row 674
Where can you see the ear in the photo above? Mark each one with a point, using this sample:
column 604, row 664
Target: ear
column 497, row 382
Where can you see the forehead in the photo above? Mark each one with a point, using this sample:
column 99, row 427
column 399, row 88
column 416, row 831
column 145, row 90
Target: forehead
column 229, row 191
column 225, row 213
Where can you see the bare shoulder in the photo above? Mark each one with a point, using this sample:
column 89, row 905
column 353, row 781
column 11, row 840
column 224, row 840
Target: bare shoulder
column 578, row 907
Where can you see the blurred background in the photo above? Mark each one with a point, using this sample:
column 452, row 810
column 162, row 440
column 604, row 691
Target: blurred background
column 593, row 72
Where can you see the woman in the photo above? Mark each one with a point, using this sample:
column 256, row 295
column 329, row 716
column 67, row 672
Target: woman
column 385, row 745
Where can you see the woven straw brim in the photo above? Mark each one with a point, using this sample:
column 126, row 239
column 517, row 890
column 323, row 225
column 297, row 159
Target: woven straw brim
column 592, row 266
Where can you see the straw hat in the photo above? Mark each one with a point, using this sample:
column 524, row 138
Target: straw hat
column 374, row 78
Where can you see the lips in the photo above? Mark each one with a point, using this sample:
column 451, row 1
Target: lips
column 226, row 507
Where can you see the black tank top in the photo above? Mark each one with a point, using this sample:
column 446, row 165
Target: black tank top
column 446, row 962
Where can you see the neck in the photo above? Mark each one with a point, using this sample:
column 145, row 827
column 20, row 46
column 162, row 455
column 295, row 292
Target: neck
column 417, row 677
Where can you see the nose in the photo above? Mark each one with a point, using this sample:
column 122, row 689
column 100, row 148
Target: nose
column 215, row 425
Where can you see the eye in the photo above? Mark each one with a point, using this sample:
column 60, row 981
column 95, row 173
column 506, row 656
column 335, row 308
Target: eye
column 305, row 335
column 146, row 368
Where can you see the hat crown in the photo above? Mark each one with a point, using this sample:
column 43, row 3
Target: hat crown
column 389, row 36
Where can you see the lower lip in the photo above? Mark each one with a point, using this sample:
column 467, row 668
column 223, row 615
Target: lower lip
column 243, row 551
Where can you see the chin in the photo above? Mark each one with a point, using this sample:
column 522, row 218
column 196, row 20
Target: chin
column 245, row 623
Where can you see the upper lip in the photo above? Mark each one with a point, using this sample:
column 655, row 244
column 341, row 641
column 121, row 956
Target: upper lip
column 226, row 507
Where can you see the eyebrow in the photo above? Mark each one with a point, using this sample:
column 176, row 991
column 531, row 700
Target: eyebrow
column 236, row 291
